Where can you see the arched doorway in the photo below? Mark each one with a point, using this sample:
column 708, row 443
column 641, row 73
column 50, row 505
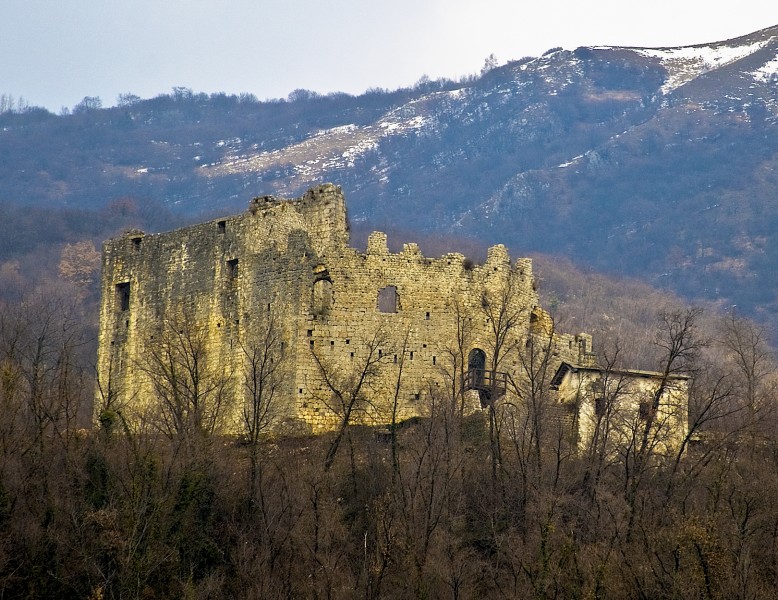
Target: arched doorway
column 476, row 367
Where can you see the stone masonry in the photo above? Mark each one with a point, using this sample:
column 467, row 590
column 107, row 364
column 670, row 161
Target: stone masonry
column 288, row 262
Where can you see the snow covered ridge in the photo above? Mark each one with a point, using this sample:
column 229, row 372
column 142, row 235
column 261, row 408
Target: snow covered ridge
column 685, row 63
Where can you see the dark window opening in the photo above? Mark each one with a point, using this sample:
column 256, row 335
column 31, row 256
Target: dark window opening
column 311, row 342
column 411, row 355
column 426, row 316
column 387, row 299
column 232, row 268
column 222, row 226
column 434, row 360
column 395, row 359
column 136, row 243
column 352, row 355
column 348, row 341
column 323, row 297
column 123, row 295
column 644, row 410
column 310, row 332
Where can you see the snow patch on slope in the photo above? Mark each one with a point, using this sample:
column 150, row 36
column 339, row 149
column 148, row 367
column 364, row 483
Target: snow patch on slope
column 688, row 62
column 767, row 72
column 333, row 148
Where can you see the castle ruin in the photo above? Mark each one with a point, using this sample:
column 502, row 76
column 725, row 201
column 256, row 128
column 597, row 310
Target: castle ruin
column 195, row 312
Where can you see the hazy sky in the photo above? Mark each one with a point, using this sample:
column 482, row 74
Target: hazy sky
column 55, row 52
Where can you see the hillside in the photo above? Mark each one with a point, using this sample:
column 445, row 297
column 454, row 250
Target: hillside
column 653, row 163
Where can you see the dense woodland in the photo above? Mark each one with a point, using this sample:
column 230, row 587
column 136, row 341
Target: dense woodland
column 449, row 506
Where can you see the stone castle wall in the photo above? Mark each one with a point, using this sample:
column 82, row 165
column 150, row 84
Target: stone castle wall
column 289, row 261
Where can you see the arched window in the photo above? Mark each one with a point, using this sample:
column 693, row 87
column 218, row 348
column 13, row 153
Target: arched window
column 388, row 299
column 476, row 359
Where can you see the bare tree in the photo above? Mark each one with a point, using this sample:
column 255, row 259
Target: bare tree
column 531, row 385
column 347, row 389
column 40, row 339
column 504, row 314
column 262, row 380
column 746, row 344
column 678, row 340
column 395, row 404
column 190, row 385
column 455, row 369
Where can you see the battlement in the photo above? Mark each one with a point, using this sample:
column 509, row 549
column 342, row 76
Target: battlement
column 288, row 262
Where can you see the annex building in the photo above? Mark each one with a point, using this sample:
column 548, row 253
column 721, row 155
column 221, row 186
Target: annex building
column 272, row 308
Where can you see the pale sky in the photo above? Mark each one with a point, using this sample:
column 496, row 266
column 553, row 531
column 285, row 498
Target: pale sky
column 53, row 53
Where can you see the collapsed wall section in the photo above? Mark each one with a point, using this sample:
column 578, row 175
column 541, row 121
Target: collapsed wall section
column 422, row 316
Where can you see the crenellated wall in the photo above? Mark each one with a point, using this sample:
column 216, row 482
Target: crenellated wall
column 289, row 261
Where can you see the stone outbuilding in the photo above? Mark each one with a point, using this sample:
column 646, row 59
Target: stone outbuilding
column 612, row 406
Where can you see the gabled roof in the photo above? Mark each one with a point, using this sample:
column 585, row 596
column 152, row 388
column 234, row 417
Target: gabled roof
column 566, row 368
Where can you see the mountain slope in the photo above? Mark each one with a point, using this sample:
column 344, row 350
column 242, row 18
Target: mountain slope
column 657, row 163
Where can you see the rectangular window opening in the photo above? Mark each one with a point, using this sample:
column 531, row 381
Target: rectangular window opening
column 644, row 410
column 387, row 299
column 232, row 268
column 123, row 295
column 222, row 226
